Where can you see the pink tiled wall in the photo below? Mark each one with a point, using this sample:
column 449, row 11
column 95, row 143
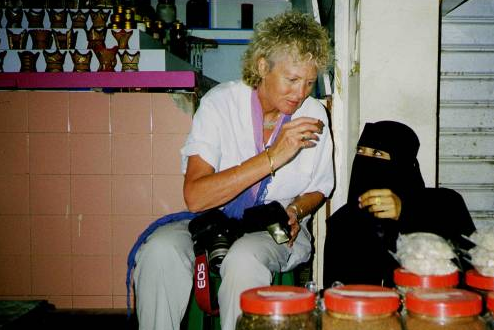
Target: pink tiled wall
column 81, row 175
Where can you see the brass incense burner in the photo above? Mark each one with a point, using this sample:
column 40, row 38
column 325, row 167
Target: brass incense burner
column 2, row 57
column 79, row 19
column 17, row 40
column 95, row 38
column 107, row 58
column 35, row 18
column 82, row 62
column 65, row 40
column 28, row 61
column 42, row 39
column 54, row 61
column 99, row 18
column 130, row 62
column 58, row 19
column 122, row 38
column 14, row 17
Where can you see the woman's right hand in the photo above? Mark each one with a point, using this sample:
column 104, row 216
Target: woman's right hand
column 293, row 136
column 382, row 203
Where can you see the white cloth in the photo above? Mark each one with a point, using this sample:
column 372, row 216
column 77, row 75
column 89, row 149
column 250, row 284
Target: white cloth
column 222, row 135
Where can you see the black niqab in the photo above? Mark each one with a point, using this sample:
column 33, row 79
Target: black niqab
column 401, row 174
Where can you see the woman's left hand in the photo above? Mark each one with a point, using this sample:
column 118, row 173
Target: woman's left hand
column 382, row 203
column 294, row 225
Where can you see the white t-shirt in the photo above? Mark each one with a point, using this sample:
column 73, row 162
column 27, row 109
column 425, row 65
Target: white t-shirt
column 222, row 135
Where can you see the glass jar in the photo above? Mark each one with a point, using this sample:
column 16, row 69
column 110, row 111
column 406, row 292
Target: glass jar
column 362, row 307
column 277, row 307
column 406, row 281
column 443, row 309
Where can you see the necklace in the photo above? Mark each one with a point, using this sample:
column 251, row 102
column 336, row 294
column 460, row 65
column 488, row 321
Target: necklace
column 271, row 124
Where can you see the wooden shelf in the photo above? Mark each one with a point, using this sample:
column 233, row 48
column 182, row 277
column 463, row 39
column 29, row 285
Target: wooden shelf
column 71, row 80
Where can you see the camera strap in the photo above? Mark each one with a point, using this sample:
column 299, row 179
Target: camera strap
column 205, row 297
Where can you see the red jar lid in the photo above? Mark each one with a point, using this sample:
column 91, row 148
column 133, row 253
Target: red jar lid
column 475, row 280
column 277, row 300
column 490, row 301
column 443, row 302
column 403, row 277
column 361, row 300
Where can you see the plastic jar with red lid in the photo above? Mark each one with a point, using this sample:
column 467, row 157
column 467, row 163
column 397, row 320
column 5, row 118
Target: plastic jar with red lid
column 277, row 307
column 490, row 308
column 479, row 283
column 443, row 309
column 406, row 281
column 363, row 307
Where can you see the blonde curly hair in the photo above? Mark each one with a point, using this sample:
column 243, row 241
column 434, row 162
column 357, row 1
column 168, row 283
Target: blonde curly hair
column 293, row 33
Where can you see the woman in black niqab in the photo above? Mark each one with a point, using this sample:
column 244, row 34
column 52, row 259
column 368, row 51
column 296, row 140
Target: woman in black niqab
column 386, row 197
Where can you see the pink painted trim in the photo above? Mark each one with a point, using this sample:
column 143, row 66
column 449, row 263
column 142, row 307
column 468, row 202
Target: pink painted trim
column 164, row 79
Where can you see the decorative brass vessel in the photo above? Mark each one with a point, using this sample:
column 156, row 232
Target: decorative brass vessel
column 51, row 3
column 102, row 3
column 58, row 19
column 99, row 18
column 35, row 18
column 28, row 61
column 79, row 19
column 95, row 38
column 82, row 62
column 107, row 58
column 65, row 40
column 130, row 62
column 54, row 61
column 116, row 21
column 2, row 57
column 129, row 19
column 42, row 39
column 122, row 38
column 14, row 17
column 17, row 40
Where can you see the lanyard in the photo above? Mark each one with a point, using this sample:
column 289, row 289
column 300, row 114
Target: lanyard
column 257, row 121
